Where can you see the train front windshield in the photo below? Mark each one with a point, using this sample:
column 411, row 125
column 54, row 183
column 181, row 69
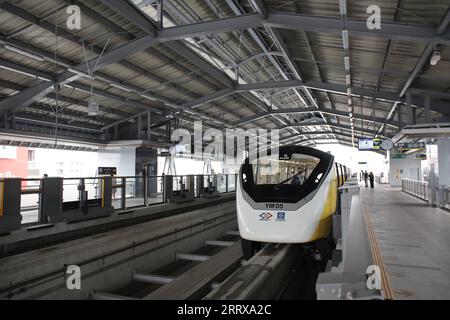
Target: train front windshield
column 293, row 171
column 298, row 172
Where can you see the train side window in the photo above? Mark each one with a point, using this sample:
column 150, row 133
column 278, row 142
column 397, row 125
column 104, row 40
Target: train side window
column 337, row 173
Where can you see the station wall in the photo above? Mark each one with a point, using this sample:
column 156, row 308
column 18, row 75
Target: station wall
column 404, row 169
column 123, row 158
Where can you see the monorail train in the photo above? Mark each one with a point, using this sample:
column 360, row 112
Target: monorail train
column 289, row 200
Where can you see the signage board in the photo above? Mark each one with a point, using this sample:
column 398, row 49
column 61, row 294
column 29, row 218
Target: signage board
column 417, row 156
column 165, row 154
column 411, row 145
column 107, row 171
column 369, row 144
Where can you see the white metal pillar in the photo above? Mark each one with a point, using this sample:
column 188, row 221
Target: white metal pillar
column 444, row 161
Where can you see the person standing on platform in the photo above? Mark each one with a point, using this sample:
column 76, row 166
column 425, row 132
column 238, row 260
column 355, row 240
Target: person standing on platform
column 372, row 179
column 366, row 176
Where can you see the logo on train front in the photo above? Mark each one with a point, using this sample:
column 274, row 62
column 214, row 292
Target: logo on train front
column 281, row 216
column 265, row 216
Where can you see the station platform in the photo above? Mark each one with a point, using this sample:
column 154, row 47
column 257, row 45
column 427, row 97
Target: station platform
column 414, row 242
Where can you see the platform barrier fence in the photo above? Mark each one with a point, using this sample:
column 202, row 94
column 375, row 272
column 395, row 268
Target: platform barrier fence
column 446, row 197
column 419, row 189
column 51, row 199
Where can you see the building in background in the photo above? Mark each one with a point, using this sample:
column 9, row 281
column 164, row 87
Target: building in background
column 34, row 163
column 13, row 162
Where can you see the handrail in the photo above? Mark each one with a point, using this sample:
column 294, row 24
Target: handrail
column 445, row 197
column 416, row 188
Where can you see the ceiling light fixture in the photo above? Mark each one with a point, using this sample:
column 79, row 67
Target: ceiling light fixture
column 343, row 7
column 168, row 104
column 347, row 63
column 118, row 86
column 148, row 97
column 24, row 73
column 435, row 57
column 345, row 43
column 78, row 72
column 24, row 52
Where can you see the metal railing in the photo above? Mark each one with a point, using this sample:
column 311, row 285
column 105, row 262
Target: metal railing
column 445, row 191
column 127, row 192
column 416, row 188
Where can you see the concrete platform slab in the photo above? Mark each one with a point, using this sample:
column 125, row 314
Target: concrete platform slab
column 414, row 240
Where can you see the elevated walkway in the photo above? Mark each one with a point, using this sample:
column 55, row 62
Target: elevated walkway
column 414, row 242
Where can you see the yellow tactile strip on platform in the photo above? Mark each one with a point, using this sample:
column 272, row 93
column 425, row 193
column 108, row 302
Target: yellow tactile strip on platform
column 386, row 288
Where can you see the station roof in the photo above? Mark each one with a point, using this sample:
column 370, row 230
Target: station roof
column 312, row 68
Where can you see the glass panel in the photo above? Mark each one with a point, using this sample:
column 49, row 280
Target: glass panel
column 117, row 193
column 222, row 182
column 134, row 192
column 232, row 182
column 29, row 203
column 154, row 190
column 209, row 183
column 293, row 171
column 70, row 190
column 177, row 180
column 93, row 189
column 195, row 187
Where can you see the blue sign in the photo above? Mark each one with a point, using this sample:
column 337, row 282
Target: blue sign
column 281, row 216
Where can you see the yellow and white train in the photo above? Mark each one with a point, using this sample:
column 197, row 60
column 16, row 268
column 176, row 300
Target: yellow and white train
column 289, row 200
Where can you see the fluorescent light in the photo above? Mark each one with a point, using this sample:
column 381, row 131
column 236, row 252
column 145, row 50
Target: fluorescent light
column 343, row 7
column 118, row 86
column 148, row 97
column 24, row 73
column 24, row 53
column 435, row 57
column 170, row 105
column 78, row 72
column 347, row 63
column 345, row 39
column 348, row 79
column 93, row 108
